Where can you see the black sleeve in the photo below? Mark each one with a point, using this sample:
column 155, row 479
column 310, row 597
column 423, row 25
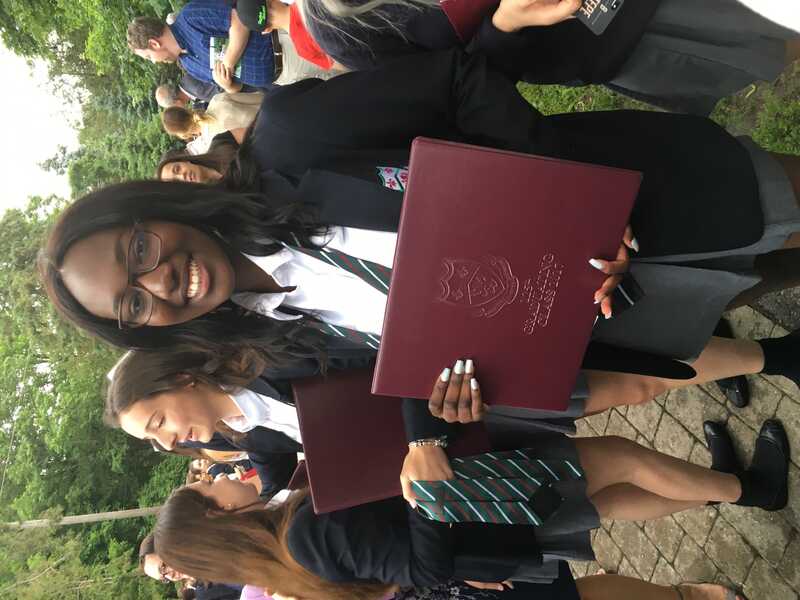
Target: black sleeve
column 447, row 94
column 274, row 471
column 420, row 423
column 379, row 542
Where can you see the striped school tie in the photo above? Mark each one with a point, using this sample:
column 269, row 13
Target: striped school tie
column 506, row 488
column 378, row 276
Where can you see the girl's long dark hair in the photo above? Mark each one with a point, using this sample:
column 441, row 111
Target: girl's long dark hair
column 141, row 374
column 198, row 538
column 221, row 154
column 240, row 222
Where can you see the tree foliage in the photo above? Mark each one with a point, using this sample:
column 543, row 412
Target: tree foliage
column 55, row 452
column 56, row 456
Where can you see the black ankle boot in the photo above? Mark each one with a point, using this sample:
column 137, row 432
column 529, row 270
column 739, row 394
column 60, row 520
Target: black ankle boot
column 736, row 389
column 782, row 356
column 765, row 483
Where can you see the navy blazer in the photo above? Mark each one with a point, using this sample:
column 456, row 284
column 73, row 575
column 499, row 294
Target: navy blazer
column 387, row 542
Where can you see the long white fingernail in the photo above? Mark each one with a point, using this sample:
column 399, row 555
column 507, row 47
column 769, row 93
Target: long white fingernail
column 445, row 376
column 473, row 384
column 635, row 244
column 458, row 368
column 469, row 367
column 413, row 503
column 608, row 316
column 596, row 264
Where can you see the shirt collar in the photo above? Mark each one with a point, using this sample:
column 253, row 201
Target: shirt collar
column 255, row 411
column 264, row 303
column 177, row 32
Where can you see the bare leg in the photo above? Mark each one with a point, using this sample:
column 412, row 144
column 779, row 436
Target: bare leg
column 792, row 50
column 721, row 358
column 780, row 269
column 626, row 502
column 790, row 164
column 611, row 460
column 617, row 587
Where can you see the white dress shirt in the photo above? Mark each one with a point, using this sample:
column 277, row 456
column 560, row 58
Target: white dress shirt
column 262, row 411
column 334, row 295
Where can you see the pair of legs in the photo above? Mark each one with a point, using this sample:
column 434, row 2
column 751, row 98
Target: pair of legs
column 630, row 482
column 617, row 587
column 721, row 358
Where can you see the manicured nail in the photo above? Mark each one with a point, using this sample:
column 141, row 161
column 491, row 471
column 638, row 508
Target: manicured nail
column 635, row 244
column 473, row 384
column 598, row 300
column 458, row 368
column 469, row 367
column 413, row 503
column 596, row 264
column 608, row 316
column 445, row 376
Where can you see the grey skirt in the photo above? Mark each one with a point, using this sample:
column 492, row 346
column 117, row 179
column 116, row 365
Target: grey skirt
column 686, row 294
column 695, row 52
column 566, row 534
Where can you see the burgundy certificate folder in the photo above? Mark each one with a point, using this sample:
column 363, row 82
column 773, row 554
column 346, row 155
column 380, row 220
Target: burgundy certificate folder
column 492, row 264
column 466, row 15
column 355, row 443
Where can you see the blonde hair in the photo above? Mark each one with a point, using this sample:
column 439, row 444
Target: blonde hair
column 185, row 123
column 366, row 13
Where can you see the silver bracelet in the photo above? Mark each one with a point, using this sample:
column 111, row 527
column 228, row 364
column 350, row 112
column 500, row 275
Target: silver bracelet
column 439, row 442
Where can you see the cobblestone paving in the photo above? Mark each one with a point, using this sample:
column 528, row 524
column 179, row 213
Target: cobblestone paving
column 755, row 551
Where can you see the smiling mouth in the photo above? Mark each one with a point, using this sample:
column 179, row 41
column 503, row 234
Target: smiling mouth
column 194, row 279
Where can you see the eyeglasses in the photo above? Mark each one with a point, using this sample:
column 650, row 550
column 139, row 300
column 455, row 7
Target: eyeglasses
column 144, row 252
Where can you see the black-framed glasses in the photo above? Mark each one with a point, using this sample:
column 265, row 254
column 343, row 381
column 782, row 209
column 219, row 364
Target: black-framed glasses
column 136, row 305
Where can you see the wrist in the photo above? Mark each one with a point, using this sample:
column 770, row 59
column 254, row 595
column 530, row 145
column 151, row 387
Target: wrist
column 426, row 443
column 503, row 23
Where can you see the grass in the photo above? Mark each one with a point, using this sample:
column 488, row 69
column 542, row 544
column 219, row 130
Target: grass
column 768, row 112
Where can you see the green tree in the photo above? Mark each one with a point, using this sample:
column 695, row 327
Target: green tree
column 55, row 453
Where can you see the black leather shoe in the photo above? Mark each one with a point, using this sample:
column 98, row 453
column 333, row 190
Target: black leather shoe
column 772, row 431
column 770, row 467
column 720, row 445
column 736, row 389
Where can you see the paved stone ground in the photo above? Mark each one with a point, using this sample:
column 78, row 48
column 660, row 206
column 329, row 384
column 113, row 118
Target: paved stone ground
column 755, row 551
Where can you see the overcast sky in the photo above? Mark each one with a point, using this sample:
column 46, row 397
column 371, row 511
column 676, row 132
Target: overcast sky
column 35, row 123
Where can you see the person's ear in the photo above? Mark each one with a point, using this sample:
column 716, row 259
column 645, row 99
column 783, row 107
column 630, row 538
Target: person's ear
column 154, row 44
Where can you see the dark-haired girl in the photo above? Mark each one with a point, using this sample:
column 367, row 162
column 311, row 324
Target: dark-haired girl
column 154, row 265
column 170, row 397
column 679, row 54
column 367, row 552
column 209, row 167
